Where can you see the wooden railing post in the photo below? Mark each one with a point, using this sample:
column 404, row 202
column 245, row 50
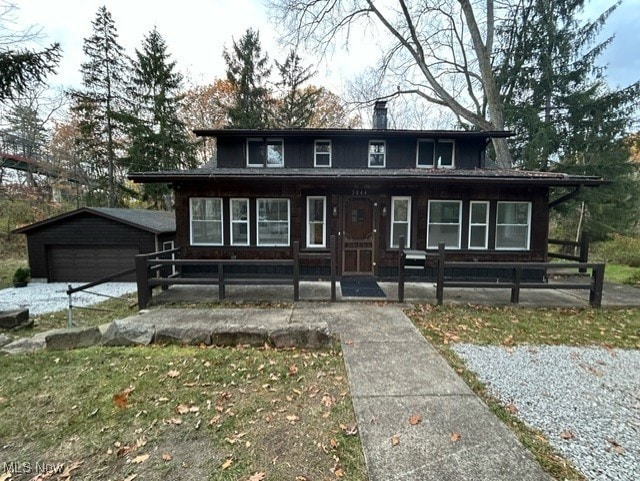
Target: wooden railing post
column 440, row 280
column 222, row 291
column 142, row 280
column 296, row 271
column 597, row 285
column 401, row 262
column 515, row 289
column 584, row 250
column 332, row 248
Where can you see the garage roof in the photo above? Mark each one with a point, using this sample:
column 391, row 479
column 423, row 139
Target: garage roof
column 154, row 221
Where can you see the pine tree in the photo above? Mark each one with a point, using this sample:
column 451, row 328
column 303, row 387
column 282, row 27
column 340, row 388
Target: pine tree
column 100, row 105
column 565, row 116
column 158, row 137
column 247, row 71
column 295, row 107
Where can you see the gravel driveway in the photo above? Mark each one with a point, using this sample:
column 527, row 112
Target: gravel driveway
column 42, row 297
column 586, row 401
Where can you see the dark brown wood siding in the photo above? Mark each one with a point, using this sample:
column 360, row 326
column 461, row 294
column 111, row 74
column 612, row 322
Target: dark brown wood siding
column 381, row 194
column 348, row 153
column 83, row 230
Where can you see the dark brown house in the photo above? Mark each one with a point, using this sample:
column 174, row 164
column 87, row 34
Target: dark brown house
column 94, row 242
column 366, row 187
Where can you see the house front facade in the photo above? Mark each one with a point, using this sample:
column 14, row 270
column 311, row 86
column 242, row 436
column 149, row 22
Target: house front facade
column 368, row 188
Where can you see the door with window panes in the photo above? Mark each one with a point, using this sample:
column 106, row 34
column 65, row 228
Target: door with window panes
column 358, row 238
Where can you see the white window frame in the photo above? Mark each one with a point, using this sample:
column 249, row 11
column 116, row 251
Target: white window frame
column 268, row 199
column 220, row 221
column 434, row 161
column 239, row 221
column 478, row 224
column 528, row 225
column 265, row 160
column 316, row 153
column 324, row 222
column 394, row 222
column 384, row 154
column 459, row 223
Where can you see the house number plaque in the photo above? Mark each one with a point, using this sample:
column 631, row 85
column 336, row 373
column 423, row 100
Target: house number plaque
column 359, row 192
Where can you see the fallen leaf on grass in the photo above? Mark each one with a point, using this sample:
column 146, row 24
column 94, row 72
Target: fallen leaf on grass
column 120, row 399
column 227, row 464
column 395, row 440
column 182, row 409
column 166, row 457
column 349, row 431
column 566, row 434
column 415, row 419
column 175, row 421
column 5, row 476
column 455, row 437
column 512, row 408
column 257, row 476
column 293, row 418
column 140, row 459
column 131, row 477
column 173, row 373
column 339, row 473
column 333, row 443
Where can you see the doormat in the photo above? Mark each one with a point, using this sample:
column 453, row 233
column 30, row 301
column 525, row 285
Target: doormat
column 360, row 287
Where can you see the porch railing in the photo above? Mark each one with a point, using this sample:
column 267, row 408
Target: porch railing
column 580, row 250
column 156, row 269
column 515, row 281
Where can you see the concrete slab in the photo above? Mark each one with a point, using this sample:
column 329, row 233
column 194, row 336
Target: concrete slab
column 408, row 368
column 484, row 450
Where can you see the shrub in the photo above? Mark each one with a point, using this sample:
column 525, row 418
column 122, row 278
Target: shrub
column 21, row 276
column 620, row 249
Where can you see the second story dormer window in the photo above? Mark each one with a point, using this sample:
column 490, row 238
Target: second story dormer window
column 377, row 153
column 435, row 153
column 263, row 152
column 322, row 153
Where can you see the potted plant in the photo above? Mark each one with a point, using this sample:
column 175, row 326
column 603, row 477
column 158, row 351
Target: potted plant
column 21, row 277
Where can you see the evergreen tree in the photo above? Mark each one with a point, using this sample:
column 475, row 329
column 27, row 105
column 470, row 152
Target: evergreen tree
column 295, row 108
column 25, row 124
column 564, row 115
column 247, row 71
column 158, row 137
column 100, row 105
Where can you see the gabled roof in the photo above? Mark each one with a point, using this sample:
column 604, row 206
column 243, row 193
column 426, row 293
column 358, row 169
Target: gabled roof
column 330, row 175
column 354, row 133
column 154, row 221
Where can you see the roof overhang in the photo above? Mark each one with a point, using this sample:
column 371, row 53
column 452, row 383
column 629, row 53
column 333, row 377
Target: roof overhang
column 382, row 176
column 353, row 133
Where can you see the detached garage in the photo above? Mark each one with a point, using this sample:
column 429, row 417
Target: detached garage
column 94, row 242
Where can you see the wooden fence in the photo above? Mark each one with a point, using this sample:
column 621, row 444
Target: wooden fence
column 580, row 250
column 514, row 282
column 157, row 269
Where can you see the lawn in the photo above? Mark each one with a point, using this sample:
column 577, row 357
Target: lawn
column 181, row 413
column 509, row 326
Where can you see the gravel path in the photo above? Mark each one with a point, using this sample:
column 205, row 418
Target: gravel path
column 585, row 400
column 42, row 298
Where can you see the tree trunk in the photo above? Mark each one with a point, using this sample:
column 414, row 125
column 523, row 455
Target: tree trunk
column 504, row 160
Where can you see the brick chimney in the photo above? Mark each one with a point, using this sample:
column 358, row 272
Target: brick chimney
column 380, row 115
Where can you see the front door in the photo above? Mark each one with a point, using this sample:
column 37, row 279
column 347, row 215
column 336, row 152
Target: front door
column 358, row 237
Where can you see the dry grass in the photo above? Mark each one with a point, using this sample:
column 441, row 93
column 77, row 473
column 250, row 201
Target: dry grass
column 181, row 413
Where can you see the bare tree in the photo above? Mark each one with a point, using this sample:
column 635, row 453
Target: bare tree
column 439, row 50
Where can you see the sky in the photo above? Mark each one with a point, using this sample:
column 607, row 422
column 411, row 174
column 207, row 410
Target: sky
column 196, row 32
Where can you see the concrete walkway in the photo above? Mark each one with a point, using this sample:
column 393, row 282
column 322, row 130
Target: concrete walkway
column 395, row 374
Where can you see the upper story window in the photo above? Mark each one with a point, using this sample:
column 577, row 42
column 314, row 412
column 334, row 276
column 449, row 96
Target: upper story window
column 265, row 152
column 205, row 214
column 322, row 153
column 377, row 153
column 431, row 153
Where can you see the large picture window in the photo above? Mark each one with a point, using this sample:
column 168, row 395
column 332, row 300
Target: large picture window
column 377, row 150
column 316, row 221
column 273, row 222
column 478, row 225
column 322, row 153
column 513, row 225
column 444, row 219
column 431, row 153
column 265, row 152
column 205, row 216
column 400, row 220
column 239, row 222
